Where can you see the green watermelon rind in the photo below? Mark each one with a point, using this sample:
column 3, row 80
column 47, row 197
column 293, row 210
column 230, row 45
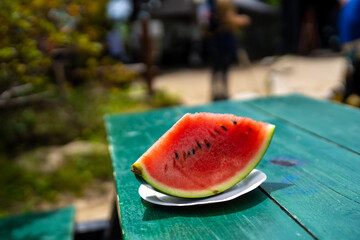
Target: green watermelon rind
column 139, row 169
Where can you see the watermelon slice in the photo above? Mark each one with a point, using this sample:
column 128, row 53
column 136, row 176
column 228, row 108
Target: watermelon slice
column 204, row 154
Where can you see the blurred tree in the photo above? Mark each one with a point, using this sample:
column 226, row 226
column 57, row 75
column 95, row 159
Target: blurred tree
column 47, row 49
column 36, row 34
column 52, row 51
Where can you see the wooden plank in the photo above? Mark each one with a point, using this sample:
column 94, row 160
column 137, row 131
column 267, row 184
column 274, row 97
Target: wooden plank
column 134, row 129
column 335, row 122
column 253, row 216
column 128, row 123
column 313, row 180
column 56, row 225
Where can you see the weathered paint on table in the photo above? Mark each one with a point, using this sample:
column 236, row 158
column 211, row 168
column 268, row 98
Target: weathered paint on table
column 312, row 190
column 51, row 225
column 317, row 116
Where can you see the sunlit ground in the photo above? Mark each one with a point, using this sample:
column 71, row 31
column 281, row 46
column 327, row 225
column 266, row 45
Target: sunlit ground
column 315, row 77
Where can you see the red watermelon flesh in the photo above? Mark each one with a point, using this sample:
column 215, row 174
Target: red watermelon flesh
column 204, row 154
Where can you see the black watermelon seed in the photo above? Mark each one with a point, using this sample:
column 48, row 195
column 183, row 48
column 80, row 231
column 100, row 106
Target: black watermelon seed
column 223, row 127
column 198, row 144
column 217, row 131
column 207, row 144
column 235, row 122
column 189, row 153
column 176, row 155
column 193, row 151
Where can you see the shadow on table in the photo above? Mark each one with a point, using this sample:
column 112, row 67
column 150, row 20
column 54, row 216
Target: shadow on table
column 156, row 212
column 242, row 203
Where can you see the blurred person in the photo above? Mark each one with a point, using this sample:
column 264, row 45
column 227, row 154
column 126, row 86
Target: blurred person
column 119, row 12
column 116, row 46
column 349, row 34
column 223, row 24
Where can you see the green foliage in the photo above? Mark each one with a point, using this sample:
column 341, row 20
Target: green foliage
column 274, row 3
column 34, row 33
column 81, row 118
column 114, row 74
column 163, row 99
column 40, row 40
column 20, row 186
column 32, row 30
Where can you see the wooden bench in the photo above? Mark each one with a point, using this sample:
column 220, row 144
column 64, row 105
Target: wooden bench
column 55, row 225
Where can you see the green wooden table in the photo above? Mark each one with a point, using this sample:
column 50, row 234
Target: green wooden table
column 312, row 165
column 51, row 225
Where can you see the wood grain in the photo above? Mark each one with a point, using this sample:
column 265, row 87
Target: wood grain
column 319, row 187
column 335, row 122
column 253, row 216
column 312, row 190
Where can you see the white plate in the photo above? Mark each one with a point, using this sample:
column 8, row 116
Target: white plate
column 252, row 181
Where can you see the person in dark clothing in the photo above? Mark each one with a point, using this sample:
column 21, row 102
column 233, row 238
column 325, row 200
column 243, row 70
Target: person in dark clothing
column 224, row 24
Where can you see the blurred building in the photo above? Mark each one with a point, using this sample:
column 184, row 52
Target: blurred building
column 183, row 42
column 307, row 25
column 296, row 26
